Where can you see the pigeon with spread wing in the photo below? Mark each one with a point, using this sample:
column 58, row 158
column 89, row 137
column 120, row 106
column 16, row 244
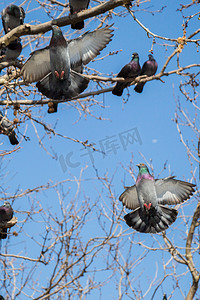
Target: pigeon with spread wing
column 148, row 197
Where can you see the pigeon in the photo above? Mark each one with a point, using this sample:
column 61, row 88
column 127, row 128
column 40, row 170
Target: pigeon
column 55, row 67
column 6, row 214
column 61, row 82
column 2, row 298
column 11, row 52
column 12, row 16
column 75, row 7
column 147, row 199
column 6, row 127
column 149, row 68
column 131, row 70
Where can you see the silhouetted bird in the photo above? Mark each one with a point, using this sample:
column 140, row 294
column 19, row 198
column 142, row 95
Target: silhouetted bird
column 75, row 7
column 147, row 199
column 6, row 128
column 6, row 214
column 12, row 16
column 149, row 68
column 54, row 65
column 131, row 70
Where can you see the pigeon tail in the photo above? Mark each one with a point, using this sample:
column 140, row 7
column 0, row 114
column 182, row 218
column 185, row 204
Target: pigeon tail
column 12, row 138
column 3, row 233
column 78, row 25
column 139, row 87
column 62, row 89
column 78, row 83
column 153, row 221
column 118, row 89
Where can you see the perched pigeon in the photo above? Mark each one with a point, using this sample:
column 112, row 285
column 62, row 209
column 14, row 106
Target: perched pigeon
column 75, row 7
column 6, row 214
column 12, row 16
column 131, row 70
column 11, row 52
column 147, row 199
column 54, row 66
column 6, row 127
column 2, row 298
column 149, row 68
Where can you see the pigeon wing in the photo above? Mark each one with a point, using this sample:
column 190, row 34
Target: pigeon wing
column 88, row 46
column 144, row 68
column 172, row 191
column 6, row 214
column 3, row 215
column 129, row 198
column 37, row 66
column 125, row 71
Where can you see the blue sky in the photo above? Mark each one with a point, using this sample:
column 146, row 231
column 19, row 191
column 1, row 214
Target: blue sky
column 149, row 114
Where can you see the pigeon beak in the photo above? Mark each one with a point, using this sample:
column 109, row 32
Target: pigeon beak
column 138, row 165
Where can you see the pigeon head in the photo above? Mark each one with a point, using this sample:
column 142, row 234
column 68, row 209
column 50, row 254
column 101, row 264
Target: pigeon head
column 57, row 37
column 6, row 204
column 142, row 168
column 150, row 57
column 13, row 10
column 135, row 56
column 56, row 30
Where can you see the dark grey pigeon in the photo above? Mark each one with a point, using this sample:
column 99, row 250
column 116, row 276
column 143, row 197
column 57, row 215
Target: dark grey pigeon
column 61, row 82
column 149, row 68
column 131, row 70
column 12, row 16
column 54, row 66
column 6, row 128
column 75, row 7
column 2, row 298
column 6, row 214
column 11, row 52
column 147, row 199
